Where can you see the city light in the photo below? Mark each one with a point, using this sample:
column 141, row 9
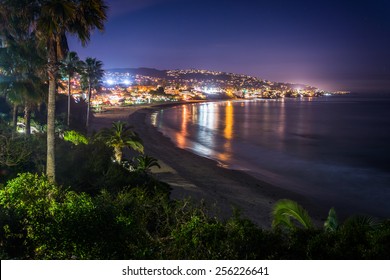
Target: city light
column 208, row 90
column 125, row 88
column 110, row 82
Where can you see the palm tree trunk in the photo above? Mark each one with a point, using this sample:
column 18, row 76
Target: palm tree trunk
column 51, row 110
column 118, row 154
column 15, row 116
column 27, row 120
column 14, row 120
column 51, row 107
column 88, row 104
column 68, row 121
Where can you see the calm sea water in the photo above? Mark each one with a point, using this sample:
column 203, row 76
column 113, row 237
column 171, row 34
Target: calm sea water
column 335, row 150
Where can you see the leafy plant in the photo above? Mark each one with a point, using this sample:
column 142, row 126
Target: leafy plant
column 75, row 137
column 285, row 210
column 331, row 224
column 145, row 163
column 120, row 136
column 14, row 151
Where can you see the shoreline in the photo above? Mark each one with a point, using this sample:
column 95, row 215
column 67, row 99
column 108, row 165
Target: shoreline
column 202, row 179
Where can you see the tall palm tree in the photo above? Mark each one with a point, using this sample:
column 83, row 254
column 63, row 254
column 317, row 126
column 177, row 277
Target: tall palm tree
column 7, row 70
column 51, row 21
column 29, row 94
column 14, row 99
column 10, row 96
column 120, row 136
column 68, row 68
column 24, row 68
column 91, row 77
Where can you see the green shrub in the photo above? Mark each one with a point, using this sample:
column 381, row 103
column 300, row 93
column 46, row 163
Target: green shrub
column 75, row 137
column 53, row 223
column 40, row 220
column 28, row 200
column 245, row 240
column 90, row 168
column 198, row 238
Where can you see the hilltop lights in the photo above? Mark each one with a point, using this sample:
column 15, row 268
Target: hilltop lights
column 110, row 82
column 208, row 90
column 117, row 81
column 132, row 88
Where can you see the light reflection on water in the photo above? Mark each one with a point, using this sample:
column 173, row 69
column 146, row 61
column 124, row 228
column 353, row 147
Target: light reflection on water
column 181, row 135
column 309, row 146
column 228, row 132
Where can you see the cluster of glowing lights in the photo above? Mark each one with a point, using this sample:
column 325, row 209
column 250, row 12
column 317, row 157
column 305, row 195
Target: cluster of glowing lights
column 112, row 82
column 208, row 90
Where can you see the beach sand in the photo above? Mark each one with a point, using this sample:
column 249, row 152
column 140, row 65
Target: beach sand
column 200, row 178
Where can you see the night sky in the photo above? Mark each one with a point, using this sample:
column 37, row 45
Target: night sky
column 334, row 45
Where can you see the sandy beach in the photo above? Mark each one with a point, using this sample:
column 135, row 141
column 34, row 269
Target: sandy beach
column 200, row 178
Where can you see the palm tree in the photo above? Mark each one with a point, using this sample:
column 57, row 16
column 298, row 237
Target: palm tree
column 21, row 93
column 68, row 68
column 286, row 209
column 14, row 99
column 91, row 77
column 51, row 21
column 120, row 136
column 23, row 67
column 27, row 93
column 8, row 57
column 145, row 163
column 11, row 96
column 331, row 224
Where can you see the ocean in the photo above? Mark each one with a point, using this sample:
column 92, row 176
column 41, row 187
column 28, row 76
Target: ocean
column 334, row 150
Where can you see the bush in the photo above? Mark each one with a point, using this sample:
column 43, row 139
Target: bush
column 75, row 137
column 90, row 168
column 245, row 240
column 27, row 201
column 198, row 238
column 40, row 220
column 43, row 221
column 19, row 154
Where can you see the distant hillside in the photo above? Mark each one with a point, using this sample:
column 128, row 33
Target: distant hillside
column 238, row 80
column 151, row 72
column 205, row 76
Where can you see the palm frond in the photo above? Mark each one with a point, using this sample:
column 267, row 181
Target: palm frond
column 120, row 136
column 363, row 222
column 145, row 163
column 285, row 210
column 331, row 224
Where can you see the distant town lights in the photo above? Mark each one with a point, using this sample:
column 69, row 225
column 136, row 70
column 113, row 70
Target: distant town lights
column 210, row 90
column 110, row 82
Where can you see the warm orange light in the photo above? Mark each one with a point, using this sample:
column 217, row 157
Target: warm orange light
column 228, row 131
column 181, row 136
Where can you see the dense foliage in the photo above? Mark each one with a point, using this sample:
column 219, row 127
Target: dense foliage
column 103, row 208
column 40, row 220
